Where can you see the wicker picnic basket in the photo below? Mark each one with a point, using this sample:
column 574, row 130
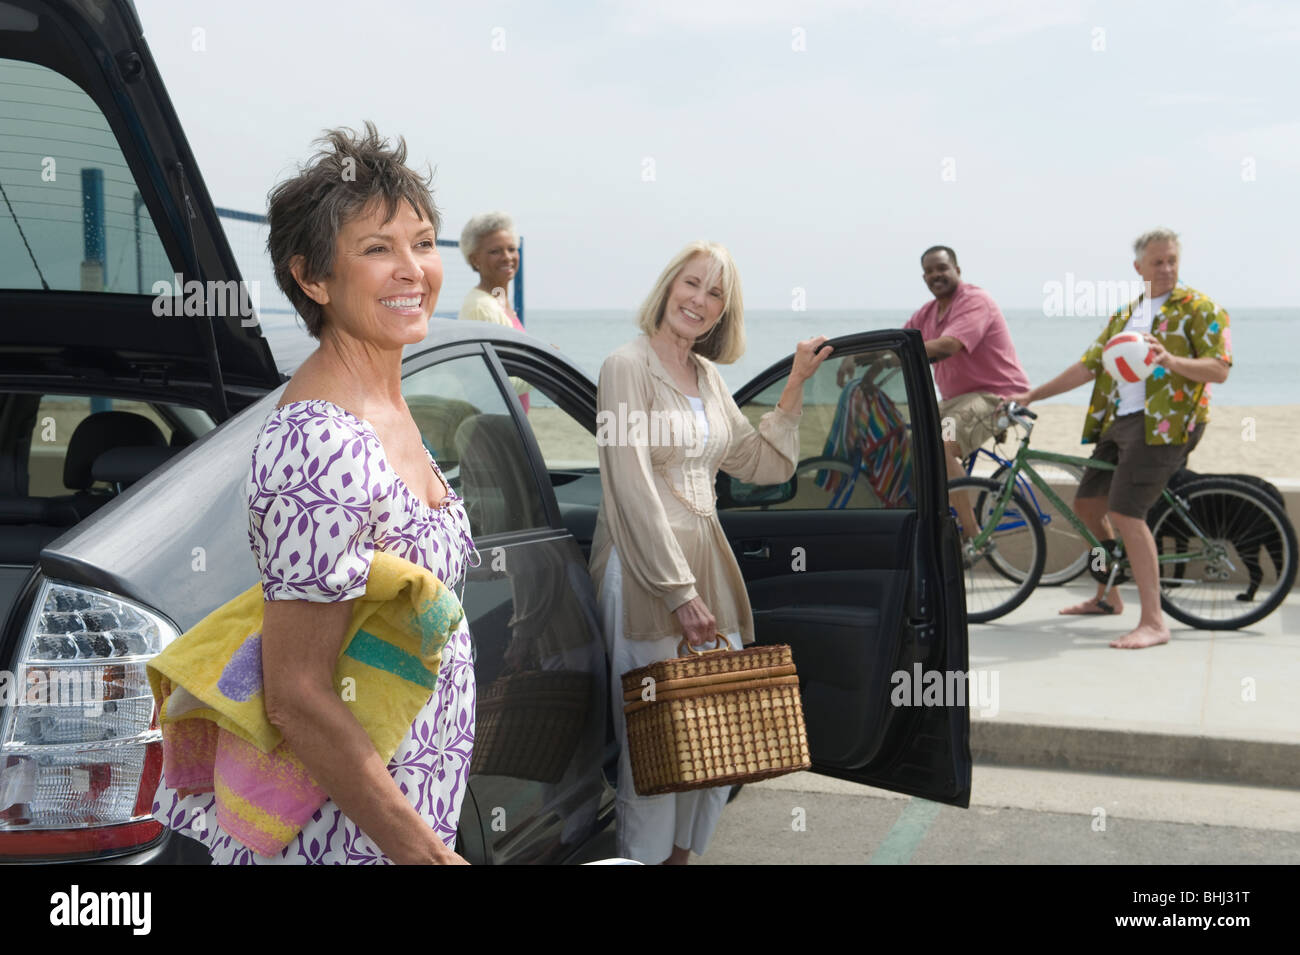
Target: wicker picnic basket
column 714, row 718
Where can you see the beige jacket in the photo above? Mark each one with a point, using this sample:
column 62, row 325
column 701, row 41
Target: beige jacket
column 657, row 479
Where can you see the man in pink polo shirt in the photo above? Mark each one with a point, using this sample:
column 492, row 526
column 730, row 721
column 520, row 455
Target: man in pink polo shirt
column 975, row 363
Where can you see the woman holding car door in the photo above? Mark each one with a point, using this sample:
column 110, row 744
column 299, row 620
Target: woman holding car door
column 663, row 569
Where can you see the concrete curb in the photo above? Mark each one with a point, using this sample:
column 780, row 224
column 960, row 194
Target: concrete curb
column 1204, row 758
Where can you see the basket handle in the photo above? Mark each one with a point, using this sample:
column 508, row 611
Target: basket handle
column 719, row 640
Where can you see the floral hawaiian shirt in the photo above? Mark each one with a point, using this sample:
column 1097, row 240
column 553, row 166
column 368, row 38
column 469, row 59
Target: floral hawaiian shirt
column 1188, row 325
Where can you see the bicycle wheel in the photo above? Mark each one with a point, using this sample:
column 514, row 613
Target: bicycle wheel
column 1067, row 552
column 1229, row 527
column 1017, row 539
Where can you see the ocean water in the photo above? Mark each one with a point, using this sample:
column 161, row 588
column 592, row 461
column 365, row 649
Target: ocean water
column 1265, row 341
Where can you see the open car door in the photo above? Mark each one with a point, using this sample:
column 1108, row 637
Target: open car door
column 855, row 563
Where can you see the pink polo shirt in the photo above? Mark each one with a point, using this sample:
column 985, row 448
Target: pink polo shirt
column 987, row 361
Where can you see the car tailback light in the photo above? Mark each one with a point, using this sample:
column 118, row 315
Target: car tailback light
column 80, row 749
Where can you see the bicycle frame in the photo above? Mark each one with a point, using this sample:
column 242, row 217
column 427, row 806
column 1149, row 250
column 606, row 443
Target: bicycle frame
column 1026, row 487
column 1023, row 462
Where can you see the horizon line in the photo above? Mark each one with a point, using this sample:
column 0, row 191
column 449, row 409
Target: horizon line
column 876, row 308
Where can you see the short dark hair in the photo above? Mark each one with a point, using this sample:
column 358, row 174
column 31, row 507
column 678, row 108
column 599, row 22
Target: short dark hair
column 940, row 248
column 306, row 213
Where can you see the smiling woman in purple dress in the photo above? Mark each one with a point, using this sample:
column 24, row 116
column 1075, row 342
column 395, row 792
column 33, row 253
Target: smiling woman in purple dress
column 340, row 472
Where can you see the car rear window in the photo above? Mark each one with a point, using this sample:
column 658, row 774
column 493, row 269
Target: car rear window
column 71, row 217
column 58, row 418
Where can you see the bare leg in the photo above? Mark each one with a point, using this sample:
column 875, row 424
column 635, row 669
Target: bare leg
column 1092, row 511
column 960, row 499
column 679, row 856
column 1140, row 547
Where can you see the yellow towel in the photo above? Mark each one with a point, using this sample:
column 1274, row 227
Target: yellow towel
column 216, row 735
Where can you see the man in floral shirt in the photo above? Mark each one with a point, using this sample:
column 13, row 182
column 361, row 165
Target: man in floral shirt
column 1146, row 428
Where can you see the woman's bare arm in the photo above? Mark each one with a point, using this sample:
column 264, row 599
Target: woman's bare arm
column 301, row 641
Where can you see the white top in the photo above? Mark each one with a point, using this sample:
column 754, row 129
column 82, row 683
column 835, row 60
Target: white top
column 697, row 405
column 1133, row 394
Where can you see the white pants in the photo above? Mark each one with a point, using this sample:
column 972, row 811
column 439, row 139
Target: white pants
column 650, row 826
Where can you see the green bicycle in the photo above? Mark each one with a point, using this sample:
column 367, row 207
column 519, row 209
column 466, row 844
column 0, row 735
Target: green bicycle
column 1211, row 533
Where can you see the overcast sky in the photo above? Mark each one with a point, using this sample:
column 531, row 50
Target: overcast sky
column 825, row 143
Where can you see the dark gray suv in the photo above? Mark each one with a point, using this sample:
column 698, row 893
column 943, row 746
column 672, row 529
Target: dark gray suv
column 125, row 441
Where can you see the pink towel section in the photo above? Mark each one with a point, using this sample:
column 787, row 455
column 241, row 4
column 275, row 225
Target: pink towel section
column 189, row 749
column 264, row 799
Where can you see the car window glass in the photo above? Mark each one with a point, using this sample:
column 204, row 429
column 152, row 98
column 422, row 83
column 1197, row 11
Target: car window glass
column 565, row 444
column 855, row 439
column 467, row 426
column 564, row 438
column 568, row 447
column 58, row 419
column 74, row 219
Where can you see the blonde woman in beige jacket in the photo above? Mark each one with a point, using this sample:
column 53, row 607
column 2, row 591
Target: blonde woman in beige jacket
column 666, row 425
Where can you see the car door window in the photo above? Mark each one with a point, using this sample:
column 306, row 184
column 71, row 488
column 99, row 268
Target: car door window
column 855, row 440
column 569, row 450
column 562, row 420
column 566, row 445
column 467, row 425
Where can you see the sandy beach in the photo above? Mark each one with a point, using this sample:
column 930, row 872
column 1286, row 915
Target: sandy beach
column 1263, row 440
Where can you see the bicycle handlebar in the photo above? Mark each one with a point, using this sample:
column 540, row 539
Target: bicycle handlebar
column 1009, row 412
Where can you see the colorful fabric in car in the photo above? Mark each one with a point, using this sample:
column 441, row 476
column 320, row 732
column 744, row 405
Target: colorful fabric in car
column 868, row 433
column 216, row 735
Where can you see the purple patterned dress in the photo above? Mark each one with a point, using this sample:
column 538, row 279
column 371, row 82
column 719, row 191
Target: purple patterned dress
column 321, row 499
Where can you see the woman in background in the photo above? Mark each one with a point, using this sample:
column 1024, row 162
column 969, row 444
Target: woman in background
column 490, row 245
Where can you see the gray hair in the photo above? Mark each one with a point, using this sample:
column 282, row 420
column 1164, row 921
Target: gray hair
column 1155, row 235
column 481, row 226
column 307, row 213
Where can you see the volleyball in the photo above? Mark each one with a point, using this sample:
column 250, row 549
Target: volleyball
column 1127, row 357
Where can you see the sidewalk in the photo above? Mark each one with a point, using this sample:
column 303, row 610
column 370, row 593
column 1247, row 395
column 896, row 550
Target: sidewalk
column 1066, row 700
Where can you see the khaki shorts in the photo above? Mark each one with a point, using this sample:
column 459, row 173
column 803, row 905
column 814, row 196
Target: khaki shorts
column 969, row 419
column 1142, row 470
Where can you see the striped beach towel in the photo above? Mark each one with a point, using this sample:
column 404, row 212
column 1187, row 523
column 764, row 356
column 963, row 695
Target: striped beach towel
column 870, row 434
column 216, row 735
